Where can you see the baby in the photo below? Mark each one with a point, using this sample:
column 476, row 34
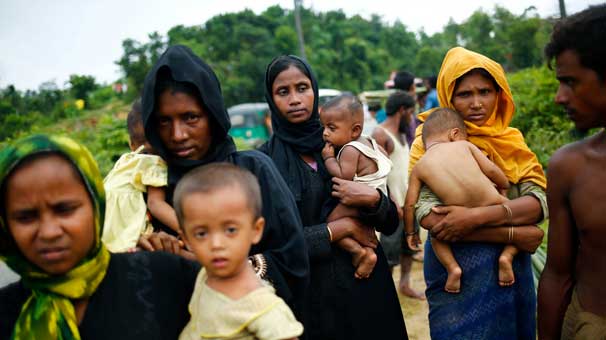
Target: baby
column 133, row 174
column 219, row 211
column 360, row 159
column 459, row 174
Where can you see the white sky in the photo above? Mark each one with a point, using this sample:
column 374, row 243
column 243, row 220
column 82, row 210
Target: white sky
column 46, row 40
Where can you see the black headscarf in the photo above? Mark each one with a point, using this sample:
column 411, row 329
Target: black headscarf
column 290, row 140
column 184, row 66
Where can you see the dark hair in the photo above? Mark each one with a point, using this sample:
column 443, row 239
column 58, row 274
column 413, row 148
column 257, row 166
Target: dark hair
column 374, row 106
column 348, row 102
column 432, row 81
column 397, row 100
column 480, row 71
column 403, row 80
column 214, row 176
column 282, row 63
column 441, row 120
column 134, row 124
column 584, row 33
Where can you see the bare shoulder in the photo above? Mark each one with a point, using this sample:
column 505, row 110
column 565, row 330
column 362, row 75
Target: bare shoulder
column 569, row 157
column 349, row 151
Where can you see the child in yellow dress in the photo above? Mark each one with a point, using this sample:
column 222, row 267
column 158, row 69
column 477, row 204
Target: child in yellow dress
column 219, row 211
column 133, row 174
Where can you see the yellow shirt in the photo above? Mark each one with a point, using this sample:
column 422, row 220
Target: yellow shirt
column 125, row 210
column 261, row 314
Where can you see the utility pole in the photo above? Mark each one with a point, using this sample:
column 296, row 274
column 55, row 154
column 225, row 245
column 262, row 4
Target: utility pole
column 298, row 4
column 562, row 9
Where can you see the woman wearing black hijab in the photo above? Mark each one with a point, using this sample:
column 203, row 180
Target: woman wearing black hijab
column 338, row 306
column 186, row 122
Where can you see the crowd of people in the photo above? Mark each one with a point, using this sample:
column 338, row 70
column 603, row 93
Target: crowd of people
column 189, row 238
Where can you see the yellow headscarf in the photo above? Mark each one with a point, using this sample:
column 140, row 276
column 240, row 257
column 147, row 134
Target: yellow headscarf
column 502, row 144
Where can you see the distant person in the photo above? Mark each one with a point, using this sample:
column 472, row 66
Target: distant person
column 459, row 174
column 359, row 159
column 219, row 210
column 431, row 101
column 405, row 81
column 136, row 173
column 400, row 107
column 572, row 298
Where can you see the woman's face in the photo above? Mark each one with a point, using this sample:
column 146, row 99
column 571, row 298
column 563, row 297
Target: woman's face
column 50, row 214
column 293, row 95
column 183, row 125
column 475, row 98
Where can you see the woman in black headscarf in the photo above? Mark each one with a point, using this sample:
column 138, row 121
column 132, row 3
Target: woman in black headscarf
column 338, row 306
column 186, row 122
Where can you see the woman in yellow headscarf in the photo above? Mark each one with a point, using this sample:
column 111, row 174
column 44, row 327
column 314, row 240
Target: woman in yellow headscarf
column 475, row 86
column 52, row 205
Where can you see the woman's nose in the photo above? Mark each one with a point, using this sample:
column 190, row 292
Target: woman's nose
column 179, row 132
column 49, row 228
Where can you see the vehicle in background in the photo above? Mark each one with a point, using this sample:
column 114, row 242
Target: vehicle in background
column 250, row 122
column 324, row 95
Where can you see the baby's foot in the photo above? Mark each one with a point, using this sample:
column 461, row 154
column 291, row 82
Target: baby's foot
column 367, row 264
column 453, row 282
column 506, row 276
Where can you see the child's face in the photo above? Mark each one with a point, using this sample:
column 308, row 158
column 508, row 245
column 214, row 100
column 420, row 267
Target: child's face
column 337, row 126
column 220, row 228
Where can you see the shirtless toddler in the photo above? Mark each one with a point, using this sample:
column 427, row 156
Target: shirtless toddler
column 459, row 174
column 360, row 159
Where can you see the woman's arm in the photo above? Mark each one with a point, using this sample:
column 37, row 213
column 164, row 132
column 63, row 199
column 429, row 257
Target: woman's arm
column 453, row 223
column 375, row 208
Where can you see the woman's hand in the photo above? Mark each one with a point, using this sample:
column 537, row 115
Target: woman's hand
column 351, row 227
column 355, row 194
column 457, row 222
column 162, row 241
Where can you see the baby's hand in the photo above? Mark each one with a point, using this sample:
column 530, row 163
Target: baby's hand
column 413, row 241
column 328, row 151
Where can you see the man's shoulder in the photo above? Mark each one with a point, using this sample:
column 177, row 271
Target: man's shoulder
column 570, row 156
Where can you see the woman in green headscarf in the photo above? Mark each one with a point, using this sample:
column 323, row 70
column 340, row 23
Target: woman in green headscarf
column 52, row 205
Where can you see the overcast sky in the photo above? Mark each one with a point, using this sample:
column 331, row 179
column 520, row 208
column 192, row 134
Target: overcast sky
column 49, row 40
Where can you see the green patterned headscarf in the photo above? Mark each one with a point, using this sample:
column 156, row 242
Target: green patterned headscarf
column 48, row 313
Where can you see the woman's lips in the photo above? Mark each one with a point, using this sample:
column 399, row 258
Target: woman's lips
column 183, row 153
column 53, row 254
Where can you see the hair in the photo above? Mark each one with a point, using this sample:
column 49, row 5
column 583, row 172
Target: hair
column 134, row 124
column 374, row 106
column 403, row 80
column 211, row 177
column 347, row 102
column 442, row 120
column 282, row 63
column 397, row 100
column 584, row 33
column 432, row 81
column 480, row 71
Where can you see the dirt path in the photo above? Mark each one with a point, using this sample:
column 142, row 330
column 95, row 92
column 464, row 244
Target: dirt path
column 415, row 311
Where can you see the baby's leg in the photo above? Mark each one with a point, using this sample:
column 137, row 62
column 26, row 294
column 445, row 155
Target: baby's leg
column 340, row 211
column 444, row 254
column 363, row 258
column 506, row 276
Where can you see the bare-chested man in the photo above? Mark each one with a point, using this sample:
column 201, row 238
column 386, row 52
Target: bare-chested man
column 572, row 290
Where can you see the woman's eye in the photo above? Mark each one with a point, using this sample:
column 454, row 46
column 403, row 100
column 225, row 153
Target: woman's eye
column 484, row 91
column 65, row 209
column 463, row 94
column 302, row 88
column 282, row 92
column 25, row 218
column 163, row 121
column 191, row 117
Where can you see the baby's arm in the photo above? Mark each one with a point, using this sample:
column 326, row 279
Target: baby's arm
column 412, row 195
column 347, row 165
column 489, row 169
column 160, row 209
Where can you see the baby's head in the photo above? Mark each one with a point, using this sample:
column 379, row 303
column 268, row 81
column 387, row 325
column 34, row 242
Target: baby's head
column 343, row 119
column 219, row 211
column 134, row 124
column 443, row 125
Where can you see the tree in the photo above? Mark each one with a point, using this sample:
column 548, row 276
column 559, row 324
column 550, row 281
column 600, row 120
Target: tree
column 82, row 86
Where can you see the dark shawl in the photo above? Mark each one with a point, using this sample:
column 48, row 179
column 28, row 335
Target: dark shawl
column 282, row 244
column 185, row 66
column 290, row 140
